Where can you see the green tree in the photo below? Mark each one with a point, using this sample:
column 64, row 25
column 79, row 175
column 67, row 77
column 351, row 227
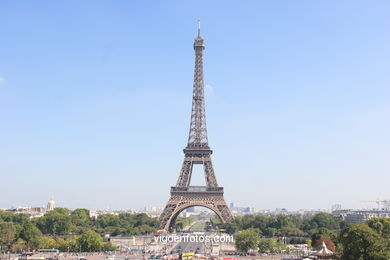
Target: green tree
column 321, row 220
column 31, row 235
column 381, row 226
column 247, row 221
column 282, row 221
column 19, row 245
column 90, row 241
column 80, row 217
column 246, row 239
column 55, row 222
column 323, row 232
column 62, row 211
column 107, row 246
column 231, row 227
column 108, row 220
column 70, row 244
column 7, row 234
column 360, row 242
column 266, row 245
column 6, row 216
column 47, row 242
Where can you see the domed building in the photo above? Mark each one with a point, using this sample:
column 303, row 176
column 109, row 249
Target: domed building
column 50, row 205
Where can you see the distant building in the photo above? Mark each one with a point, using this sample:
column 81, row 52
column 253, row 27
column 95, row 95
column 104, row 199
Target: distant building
column 359, row 216
column 50, row 205
column 240, row 210
column 32, row 212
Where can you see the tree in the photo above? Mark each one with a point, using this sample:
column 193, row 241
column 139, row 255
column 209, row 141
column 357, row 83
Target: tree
column 62, row 211
column 90, row 241
column 247, row 239
column 323, row 232
column 55, row 222
column 266, row 245
column 7, row 234
column 47, row 243
column 320, row 220
column 21, row 218
column 80, row 217
column 381, row 226
column 19, row 245
column 360, row 242
column 107, row 246
column 108, row 220
column 247, row 221
column 31, row 235
column 6, row 216
column 230, row 227
column 270, row 232
column 282, row 221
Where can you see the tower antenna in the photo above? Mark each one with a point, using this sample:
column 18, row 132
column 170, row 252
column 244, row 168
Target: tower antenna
column 198, row 28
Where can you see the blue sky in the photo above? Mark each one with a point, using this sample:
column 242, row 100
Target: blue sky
column 95, row 100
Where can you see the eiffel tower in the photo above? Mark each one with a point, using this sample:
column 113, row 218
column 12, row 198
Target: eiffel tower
column 197, row 152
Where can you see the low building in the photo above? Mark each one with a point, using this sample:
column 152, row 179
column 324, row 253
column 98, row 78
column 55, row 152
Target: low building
column 359, row 216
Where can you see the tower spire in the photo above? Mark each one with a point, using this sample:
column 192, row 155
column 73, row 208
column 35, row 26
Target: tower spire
column 198, row 131
column 198, row 28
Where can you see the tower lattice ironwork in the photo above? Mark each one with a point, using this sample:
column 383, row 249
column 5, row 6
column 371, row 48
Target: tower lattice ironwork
column 197, row 151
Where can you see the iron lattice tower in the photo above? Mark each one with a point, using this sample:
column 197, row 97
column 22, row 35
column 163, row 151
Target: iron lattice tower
column 197, row 152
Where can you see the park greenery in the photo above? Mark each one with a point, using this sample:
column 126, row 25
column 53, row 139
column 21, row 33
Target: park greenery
column 183, row 223
column 69, row 230
column 270, row 234
column 73, row 231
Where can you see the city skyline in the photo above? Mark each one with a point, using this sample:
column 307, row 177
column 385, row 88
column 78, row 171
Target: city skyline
column 95, row 106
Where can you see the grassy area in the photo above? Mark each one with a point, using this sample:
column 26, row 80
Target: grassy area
column 198, row 226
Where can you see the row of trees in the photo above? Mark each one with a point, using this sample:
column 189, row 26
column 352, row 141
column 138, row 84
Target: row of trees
column 182, row 223
column 293, row 227
column 249, row 239
column 69, row 230
column 370, row 240
column 30, row 237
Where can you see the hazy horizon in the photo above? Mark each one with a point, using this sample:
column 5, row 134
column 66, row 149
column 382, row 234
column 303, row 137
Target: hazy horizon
column 95, row 101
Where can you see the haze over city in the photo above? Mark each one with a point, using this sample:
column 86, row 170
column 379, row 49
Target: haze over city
column 95, row 101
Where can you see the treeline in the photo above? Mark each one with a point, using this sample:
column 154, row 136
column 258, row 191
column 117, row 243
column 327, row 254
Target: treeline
column 69, row 230
column 182, row 223
column 294, row 229
column 370, row 240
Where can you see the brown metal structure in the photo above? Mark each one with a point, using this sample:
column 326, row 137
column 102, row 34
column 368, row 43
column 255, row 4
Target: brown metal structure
column 197, row 152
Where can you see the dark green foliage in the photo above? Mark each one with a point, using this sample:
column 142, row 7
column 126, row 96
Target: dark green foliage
column 80, row 217
column 31, row 234
column 126, row 224
column 60, row 228
column 6, row 216
column 247, row 239
column 381, row 226
column 321, row 220
column 181, row 223
column 90, row 241
column 7, row 234
column 323, row 232
column 360, row 242
column 283, row 225
column 55, row 222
